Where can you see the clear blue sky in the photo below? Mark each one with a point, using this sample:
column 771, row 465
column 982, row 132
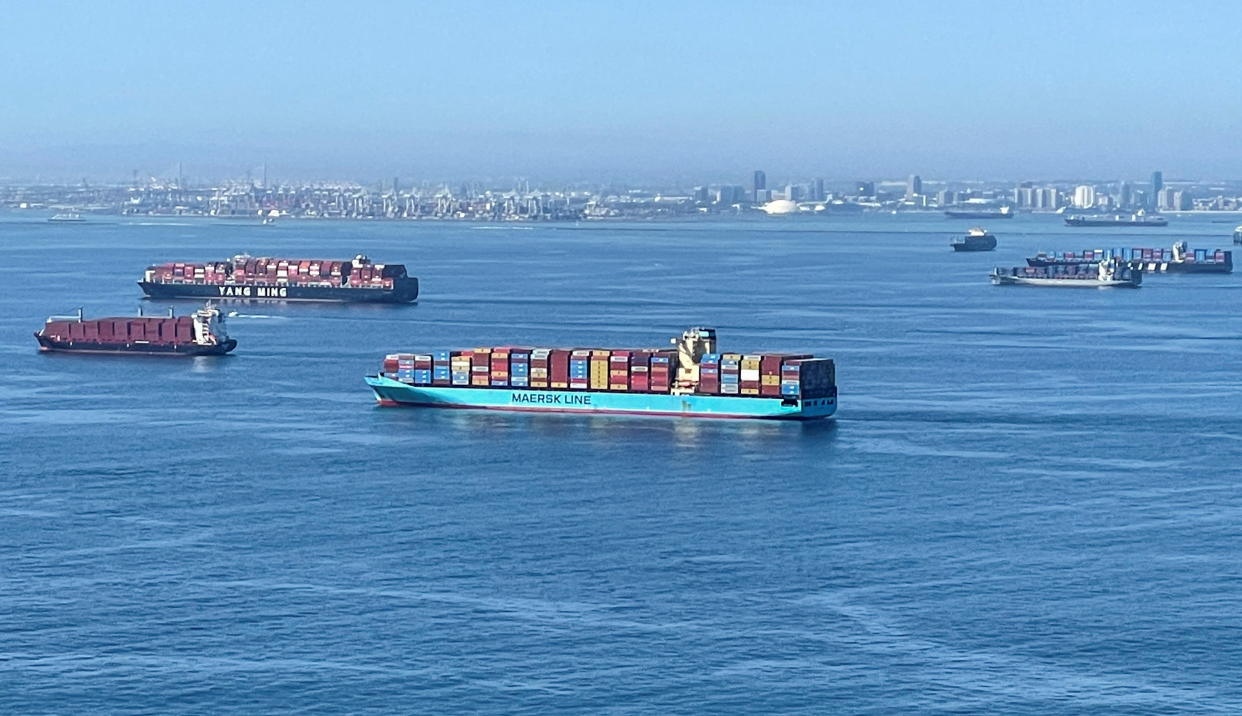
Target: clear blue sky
column 597, row 90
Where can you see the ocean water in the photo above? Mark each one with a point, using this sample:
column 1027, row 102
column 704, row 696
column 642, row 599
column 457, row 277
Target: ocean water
column 1029, row 501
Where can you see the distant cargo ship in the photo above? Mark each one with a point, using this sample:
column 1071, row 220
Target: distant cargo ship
column 1178, row 259
column 691, row 381
column 273, row 279
column 1128, row 220
column 1106, row 274
column 977, row 239
column 200, row 334
column 1003, row 212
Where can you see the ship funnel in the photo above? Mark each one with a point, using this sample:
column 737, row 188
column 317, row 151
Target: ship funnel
column 79, row 314
column 170, row 312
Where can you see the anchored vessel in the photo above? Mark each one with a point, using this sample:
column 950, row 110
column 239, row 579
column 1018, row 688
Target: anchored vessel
column 1003, row 212
column 1178, row 259
column 272, row 279
column 1129, row 220
column 693, row 380
column 1107, row 273
column 67, row 217
column 976, row 239
column 200, row 334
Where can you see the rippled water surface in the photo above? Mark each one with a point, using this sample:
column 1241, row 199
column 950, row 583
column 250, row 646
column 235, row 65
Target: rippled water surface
column 1029, row 500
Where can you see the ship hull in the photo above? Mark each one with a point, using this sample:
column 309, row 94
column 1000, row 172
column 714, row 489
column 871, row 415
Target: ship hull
column 406, row 291
column 978, row 214
column 1061, row 282
column 1105, row 223
column 389, row 392
column 986, row 246
column 136, row 348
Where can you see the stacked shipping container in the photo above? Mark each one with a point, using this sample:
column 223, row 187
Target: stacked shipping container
column 645, row 371
column 301, row 272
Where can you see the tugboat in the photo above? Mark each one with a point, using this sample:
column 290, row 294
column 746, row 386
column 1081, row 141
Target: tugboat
column 1137, row 220
column 201, row 334
column 1106, row 274
column 977, row 239
column 1179, row 259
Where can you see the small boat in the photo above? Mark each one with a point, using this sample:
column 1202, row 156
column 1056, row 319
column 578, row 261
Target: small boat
column 67, row 217
column 977, row 239
column 1108, row 273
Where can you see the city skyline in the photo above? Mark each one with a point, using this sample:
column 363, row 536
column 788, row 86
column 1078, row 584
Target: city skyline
column 640, row 92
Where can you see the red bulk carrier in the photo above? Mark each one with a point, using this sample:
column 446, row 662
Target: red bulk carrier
column 200, row 334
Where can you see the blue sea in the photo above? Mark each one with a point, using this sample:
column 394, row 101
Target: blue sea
column 1029, row 501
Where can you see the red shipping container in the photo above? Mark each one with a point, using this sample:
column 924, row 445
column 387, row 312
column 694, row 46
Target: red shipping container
column 558, row 366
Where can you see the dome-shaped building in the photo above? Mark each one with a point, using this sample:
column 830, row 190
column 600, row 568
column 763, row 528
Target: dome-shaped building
column 781, row 207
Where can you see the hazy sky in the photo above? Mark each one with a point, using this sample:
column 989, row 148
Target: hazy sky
column 627, row 90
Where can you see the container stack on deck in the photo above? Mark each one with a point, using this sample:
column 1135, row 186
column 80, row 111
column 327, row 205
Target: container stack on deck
column 301, row 272
column 159, row 331
column 770, row 375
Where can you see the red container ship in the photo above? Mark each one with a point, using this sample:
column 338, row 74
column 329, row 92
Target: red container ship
column 200, row 334
column 274, row 279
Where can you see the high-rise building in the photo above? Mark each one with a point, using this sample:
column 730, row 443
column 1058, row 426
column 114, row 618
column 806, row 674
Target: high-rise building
column 729, row 194
column 700, row 195
column 817, row 194
column 1167, row 198
column 793, row 192
column 760, row 183
column 864, row 188
column 914, row 186
column 1125, row 196
column 1084, row 196
column 1157, row 182
column 946, row 197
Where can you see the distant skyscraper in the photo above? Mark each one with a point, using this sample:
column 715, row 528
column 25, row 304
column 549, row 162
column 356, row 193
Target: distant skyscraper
column 700, row 194
column 914, row 186
column 793, row 192
column 819, row 190
column 864, row 188
column 946, row 197
column 1157, row 185
column 1084, row 196
column 1124, row 195
column 1169, row 199
column 760, row 183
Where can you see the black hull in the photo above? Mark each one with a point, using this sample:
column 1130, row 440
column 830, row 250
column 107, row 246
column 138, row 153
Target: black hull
column 405, row 291
column 145, row 349
column 975, row 246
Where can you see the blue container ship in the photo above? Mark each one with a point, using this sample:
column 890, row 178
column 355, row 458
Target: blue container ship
column 692, row 380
